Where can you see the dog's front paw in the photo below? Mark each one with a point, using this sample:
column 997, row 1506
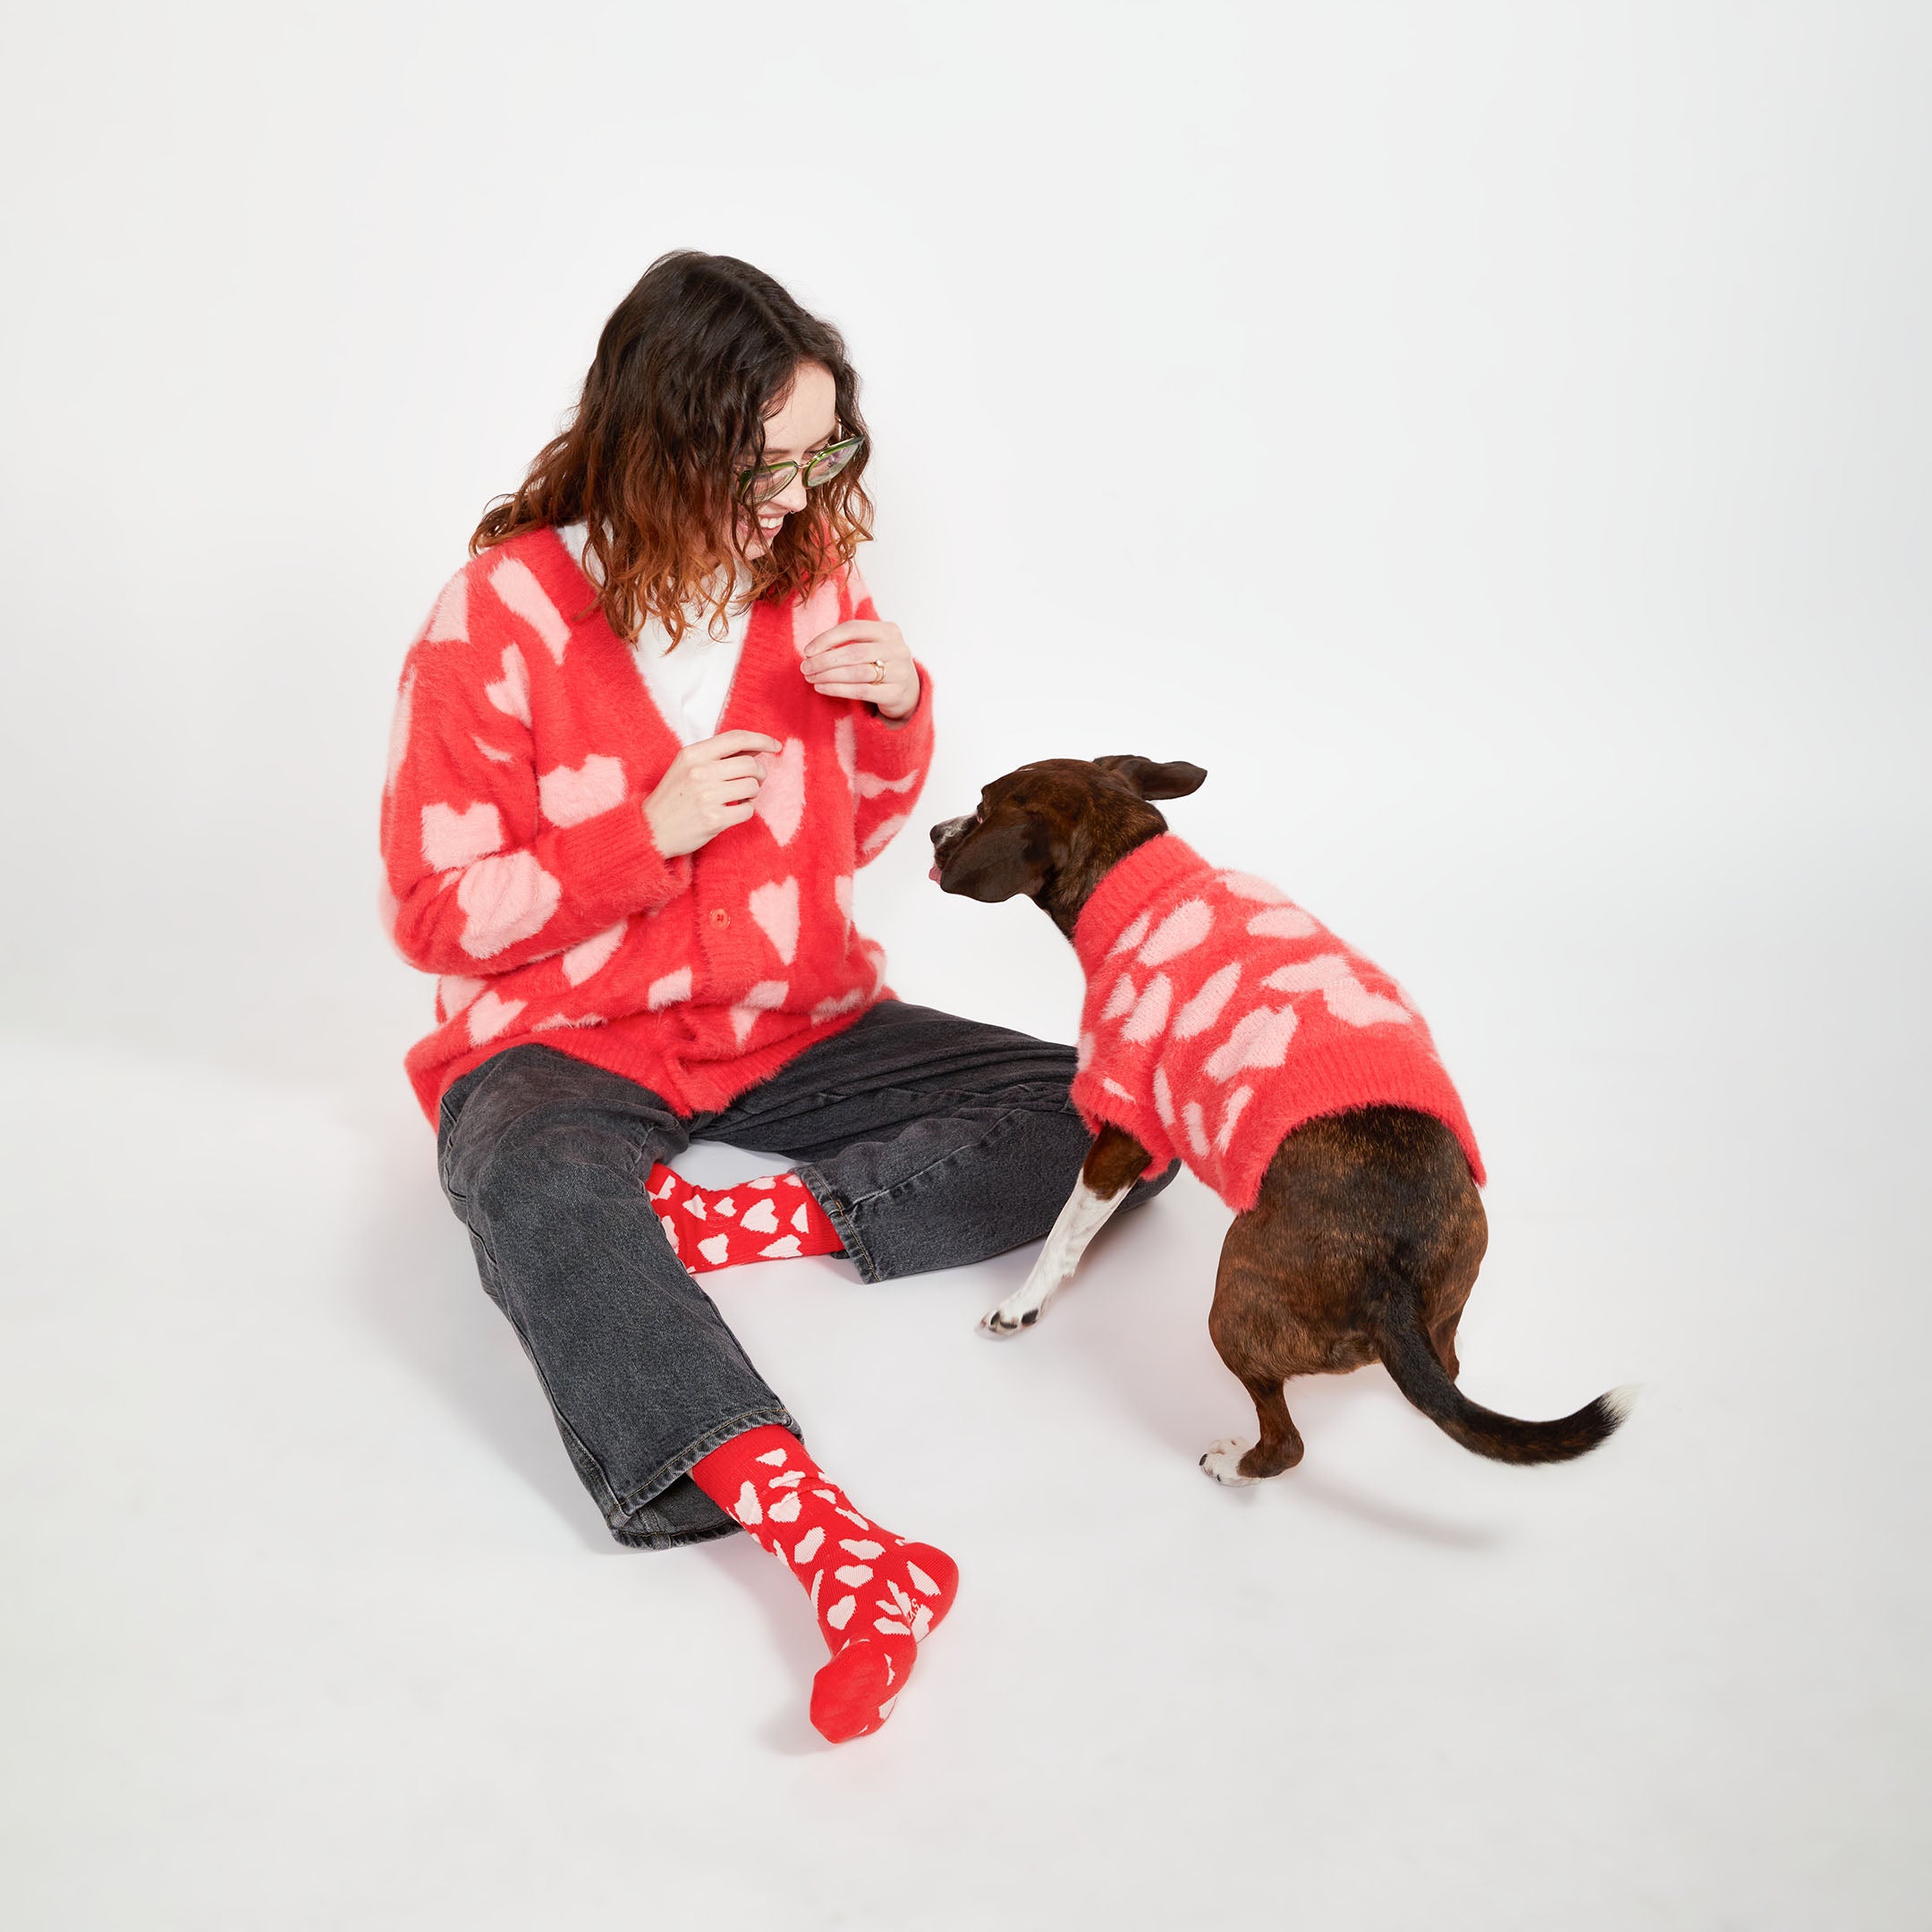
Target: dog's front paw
column 1222, row 1462
column 1010, row 1318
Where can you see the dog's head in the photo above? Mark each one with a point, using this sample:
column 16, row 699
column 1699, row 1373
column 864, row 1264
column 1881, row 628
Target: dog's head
column 1054, row 830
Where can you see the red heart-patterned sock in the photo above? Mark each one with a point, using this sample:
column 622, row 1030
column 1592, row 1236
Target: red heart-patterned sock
column 769, row 1219
column 876, row 1595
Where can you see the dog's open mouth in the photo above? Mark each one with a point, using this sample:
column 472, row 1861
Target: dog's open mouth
column 947, row 839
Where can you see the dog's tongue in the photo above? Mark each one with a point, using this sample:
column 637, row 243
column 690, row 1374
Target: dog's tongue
column 932, row 874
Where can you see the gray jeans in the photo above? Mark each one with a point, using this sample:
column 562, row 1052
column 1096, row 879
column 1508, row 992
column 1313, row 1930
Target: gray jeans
column 930, row 1140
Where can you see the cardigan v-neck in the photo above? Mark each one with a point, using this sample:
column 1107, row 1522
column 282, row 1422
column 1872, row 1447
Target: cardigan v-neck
column 690, row 680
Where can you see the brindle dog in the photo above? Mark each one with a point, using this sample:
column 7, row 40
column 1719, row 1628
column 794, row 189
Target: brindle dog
column 1368, row 1231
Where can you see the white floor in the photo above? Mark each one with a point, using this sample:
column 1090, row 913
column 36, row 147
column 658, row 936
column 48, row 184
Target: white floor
column 308, row 1624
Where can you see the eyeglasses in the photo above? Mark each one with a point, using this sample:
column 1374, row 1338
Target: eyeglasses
column 766, row 480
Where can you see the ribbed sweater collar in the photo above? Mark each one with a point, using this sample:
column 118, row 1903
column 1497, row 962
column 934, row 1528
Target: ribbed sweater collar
column 1144, row 875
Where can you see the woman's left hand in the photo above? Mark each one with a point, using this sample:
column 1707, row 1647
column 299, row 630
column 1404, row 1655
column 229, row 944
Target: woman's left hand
column 864, row 659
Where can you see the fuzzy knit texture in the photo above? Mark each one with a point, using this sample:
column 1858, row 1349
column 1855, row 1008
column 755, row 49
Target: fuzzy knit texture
column 1219, row 1016
column 519, row 869
column 772, row 1218
column 876, row 1597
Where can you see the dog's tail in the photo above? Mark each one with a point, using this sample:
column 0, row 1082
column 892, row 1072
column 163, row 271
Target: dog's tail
column 1414, row 1368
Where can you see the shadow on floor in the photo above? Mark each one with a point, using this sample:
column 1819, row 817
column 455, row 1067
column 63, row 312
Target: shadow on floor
column 417, row 1284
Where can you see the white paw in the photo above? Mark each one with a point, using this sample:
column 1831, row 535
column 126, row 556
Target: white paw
column 1222, row 1462
column 1010, row 1317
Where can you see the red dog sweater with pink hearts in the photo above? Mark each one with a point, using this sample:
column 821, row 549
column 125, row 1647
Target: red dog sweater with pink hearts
column 519, row 869
column 1219, row 1015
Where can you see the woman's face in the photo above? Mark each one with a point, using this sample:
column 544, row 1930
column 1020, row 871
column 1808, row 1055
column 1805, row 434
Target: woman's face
column 806, row 420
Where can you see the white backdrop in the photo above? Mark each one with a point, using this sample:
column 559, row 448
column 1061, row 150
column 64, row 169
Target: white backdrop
column 1492, row 440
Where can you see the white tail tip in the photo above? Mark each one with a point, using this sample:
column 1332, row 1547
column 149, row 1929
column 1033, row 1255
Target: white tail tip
column 1622, row 1400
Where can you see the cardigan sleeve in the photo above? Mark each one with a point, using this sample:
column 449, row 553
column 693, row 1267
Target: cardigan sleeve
column 891, row 759
column 478, row 878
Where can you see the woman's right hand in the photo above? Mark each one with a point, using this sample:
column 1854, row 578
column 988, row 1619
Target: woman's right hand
column 711, row 785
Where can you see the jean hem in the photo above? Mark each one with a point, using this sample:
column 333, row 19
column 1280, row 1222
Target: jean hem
column 839, row 1212
column 635, row 1502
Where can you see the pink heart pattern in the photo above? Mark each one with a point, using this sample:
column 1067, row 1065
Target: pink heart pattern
column 781, row 799
column 569, row 795
column 775, row 907
column 1255, row 1018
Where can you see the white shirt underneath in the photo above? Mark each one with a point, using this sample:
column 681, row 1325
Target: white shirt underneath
column 689, row 684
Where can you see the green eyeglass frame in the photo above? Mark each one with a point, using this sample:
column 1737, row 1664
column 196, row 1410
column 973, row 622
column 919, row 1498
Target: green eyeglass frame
column 764, row 482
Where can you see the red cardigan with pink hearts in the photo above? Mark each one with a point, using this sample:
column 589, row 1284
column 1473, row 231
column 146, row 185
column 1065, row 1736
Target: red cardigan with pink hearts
column 518, row 867
column 1220, row 1015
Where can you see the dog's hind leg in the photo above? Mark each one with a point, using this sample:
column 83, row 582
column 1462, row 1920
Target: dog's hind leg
column 1256, row 1327
column 1278, row 1449
column 1114, row 1162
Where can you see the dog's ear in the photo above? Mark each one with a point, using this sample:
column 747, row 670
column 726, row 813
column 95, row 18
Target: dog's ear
column 1152, row 781
column 1000, row 860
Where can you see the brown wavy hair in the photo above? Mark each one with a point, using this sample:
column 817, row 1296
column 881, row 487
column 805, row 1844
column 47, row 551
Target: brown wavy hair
column 687, row 369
